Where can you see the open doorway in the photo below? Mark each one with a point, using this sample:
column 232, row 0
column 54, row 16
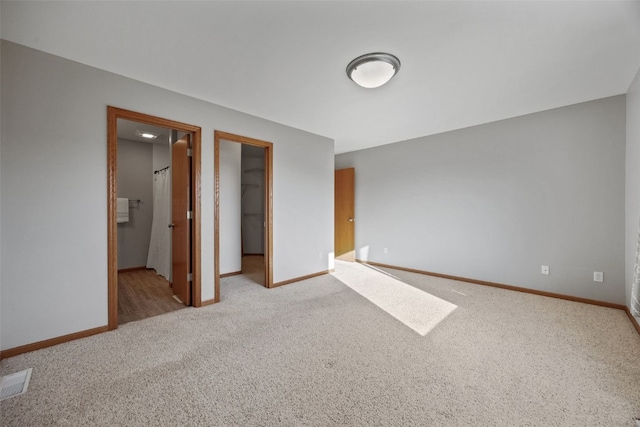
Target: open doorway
column 252, row 209
column 153, row 221
column 144, row 210
column 243, row 209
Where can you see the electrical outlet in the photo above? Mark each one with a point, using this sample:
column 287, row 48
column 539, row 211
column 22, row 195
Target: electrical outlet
column 544, row 270
column 598, row 276
column 320, row 256
column 386, row 250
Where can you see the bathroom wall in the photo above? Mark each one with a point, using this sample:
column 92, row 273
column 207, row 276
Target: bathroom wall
column 135, row 181
column 161, row 156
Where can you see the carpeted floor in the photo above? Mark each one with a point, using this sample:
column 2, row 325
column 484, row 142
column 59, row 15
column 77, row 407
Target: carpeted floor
column 317, row 353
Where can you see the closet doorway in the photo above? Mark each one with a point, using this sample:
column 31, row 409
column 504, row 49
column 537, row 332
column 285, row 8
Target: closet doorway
column 243, row 215
column 154, row 211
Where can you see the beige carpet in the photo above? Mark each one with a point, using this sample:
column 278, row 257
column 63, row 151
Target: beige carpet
column 317, row 353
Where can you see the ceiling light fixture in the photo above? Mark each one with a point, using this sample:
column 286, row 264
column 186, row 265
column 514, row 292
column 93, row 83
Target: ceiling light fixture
column 147, row 135
column 373, row 69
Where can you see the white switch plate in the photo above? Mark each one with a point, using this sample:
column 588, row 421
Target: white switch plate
column 544, row 270
column 386, row 250
column 598, row 276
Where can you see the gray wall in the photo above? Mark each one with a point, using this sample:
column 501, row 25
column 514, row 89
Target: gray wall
column 632, row 182
column 135, row 181
column 497, row 201
column 54, row 189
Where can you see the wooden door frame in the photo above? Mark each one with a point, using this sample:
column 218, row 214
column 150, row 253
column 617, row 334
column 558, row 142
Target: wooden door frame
column 268, row 176
column 113, row 114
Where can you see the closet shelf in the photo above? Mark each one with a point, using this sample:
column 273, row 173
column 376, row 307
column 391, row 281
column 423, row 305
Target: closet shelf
column 245, row 187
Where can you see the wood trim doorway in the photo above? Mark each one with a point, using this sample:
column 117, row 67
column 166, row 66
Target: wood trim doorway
column 268, row 175
column 113, row 114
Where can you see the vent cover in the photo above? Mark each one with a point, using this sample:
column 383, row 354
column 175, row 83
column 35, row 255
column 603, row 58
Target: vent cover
column 15, row 384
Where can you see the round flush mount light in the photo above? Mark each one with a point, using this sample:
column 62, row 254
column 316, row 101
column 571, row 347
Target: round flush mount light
column 373, row 69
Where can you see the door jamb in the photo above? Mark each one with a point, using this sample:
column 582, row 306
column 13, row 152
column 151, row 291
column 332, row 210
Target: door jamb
column 113, row 114
column 268, row 174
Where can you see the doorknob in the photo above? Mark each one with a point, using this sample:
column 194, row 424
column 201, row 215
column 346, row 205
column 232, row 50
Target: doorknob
column 350, row 219
column 172, row 225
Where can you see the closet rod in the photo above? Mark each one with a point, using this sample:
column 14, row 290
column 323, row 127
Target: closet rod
column 160, row 170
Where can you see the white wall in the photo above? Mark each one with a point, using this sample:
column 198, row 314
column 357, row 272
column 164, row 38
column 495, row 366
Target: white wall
column 230, row 214
column 632, row 183
column 497, row 201
column 54, row 189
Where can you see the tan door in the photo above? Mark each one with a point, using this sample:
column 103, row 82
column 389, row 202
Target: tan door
column 344, row 238
column 180, row 239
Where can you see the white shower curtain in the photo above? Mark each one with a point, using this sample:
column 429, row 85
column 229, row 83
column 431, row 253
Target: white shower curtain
column 635, row 288
column 159, row 256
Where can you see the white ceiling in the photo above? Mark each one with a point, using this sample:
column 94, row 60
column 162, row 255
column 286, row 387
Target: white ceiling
column 463, row 63
column 128, row 129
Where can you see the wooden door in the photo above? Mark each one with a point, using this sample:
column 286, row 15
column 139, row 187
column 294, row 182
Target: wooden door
column 344, row 238
column 181, row 225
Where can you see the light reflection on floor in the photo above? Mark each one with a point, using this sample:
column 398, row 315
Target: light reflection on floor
column 417, row 309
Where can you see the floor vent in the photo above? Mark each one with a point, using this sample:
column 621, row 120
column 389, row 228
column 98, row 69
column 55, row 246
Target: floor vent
column 15, row 384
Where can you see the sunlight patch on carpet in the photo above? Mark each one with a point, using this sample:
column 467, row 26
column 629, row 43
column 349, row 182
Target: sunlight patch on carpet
column 417, row 309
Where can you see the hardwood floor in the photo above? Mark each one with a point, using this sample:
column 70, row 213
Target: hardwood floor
column 143, row 294
column 253, row 268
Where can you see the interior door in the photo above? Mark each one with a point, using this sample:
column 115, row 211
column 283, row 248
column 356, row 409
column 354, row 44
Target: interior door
column 181, row 225
column 344, row 238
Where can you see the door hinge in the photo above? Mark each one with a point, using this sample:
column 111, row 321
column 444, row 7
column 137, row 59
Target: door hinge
column 189, row 214
column 189, row 152
column 189, row 277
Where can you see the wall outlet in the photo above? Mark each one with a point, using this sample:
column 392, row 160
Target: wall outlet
column 544, row 270
column 598, row 276
column 320, row 256
column 386, row 250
